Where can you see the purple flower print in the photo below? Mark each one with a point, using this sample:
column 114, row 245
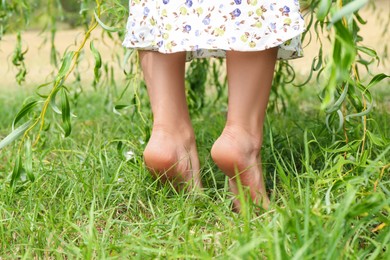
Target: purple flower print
column 206, row 20
column 296, row 27
column 146, row 11
column 189, row 3
column 236, row 12
column 246, row 25
column 210, row 41
column 187, row 28
column 285, row 10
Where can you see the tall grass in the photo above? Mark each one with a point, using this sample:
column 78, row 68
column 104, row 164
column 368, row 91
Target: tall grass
column 93, row 198
column 90, row 196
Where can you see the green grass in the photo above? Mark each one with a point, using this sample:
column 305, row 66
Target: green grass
column 88, row 201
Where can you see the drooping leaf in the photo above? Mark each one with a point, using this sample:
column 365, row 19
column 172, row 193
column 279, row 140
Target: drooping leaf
column 323, row 9
column 368, row 51
column 375, row 80
column 53, row 104
column 24, row 111
column 28, row 161
column 65, row 65
column 65, row 111
column 106, row 27
column 17, row 170
column 348, row 9
column 15, row 134
column 98, row 61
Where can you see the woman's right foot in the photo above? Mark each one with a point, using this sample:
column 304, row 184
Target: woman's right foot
column 171, row 156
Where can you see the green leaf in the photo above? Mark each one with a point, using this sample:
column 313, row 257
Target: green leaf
column 106, row 27
column 378, row 78
column 363, row 113
column 98, row 61
column 368, row 51
column 341, row 99
column 323, row 9
column 348, row 9
column 28, row 160
column 120, row 107
column 17, row 170
column 376, row 139
column 360, row 19
column 15, row 134
column 97, row 56
column 53, row 104
column 25, row 109
column 340, row 123
column 126, row 59
column 65, row 110
column 42, row 86
column 66, row 63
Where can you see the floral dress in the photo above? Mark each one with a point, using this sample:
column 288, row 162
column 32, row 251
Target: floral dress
column 208, row 28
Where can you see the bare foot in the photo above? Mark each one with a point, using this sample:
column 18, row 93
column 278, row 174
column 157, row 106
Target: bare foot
column 171, row 156
column 236, row 153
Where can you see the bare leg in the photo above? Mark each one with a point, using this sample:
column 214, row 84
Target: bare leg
column 237, row 150
column 171, row 152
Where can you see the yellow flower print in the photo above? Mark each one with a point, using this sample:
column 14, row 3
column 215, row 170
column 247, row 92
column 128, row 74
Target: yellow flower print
column 164, row 12
column 219, row 32
column 183, row 10
column 207, row 27
column 259, row 12
column 244, row 37
column 258, row 24
column 199, row 10
column 252, row 2
column 168, row 46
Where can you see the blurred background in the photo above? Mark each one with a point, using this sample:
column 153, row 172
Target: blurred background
column 69, row 29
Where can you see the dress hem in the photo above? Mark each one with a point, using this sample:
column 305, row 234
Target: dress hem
column 207, row 51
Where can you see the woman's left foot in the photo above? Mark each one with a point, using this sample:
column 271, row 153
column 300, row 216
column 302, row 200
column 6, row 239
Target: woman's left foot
column 236, row 153
column 172, row 157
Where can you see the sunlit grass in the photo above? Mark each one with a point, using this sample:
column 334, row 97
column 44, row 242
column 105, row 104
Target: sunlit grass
column 91, row 200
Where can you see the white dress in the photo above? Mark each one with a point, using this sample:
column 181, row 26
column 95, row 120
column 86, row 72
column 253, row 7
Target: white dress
column 207, row 28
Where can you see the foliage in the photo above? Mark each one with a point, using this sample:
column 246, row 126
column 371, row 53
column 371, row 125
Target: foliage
column 331, row 190
column 345, row 97
column 92, row 197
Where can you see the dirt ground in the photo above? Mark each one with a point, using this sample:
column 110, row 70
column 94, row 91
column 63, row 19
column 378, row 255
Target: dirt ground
column 38, row 56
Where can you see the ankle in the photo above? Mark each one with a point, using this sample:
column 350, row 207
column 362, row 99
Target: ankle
column 183, row 131
column 244, row 136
